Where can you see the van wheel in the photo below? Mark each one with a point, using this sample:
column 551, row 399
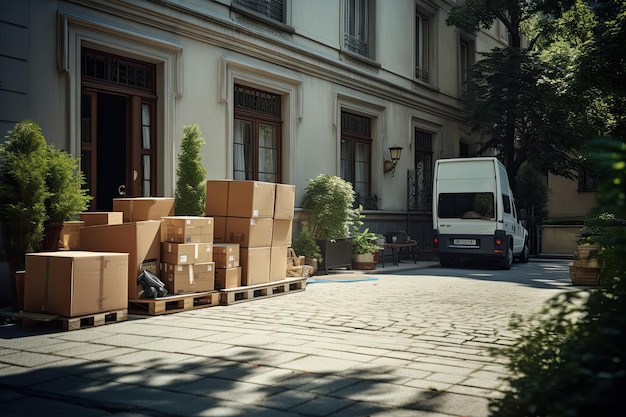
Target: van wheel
column 525, row 255
column 445, row 260
column 508, row 259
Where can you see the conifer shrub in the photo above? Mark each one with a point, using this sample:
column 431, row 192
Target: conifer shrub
column 190, row 196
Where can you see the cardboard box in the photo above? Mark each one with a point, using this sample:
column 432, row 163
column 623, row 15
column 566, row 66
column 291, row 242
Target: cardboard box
column 251, row 199
column 141, row 240
column 284, row 205
column 249, row 232
column 255, row 265
column 226, row 255
column 186, row 253
column 187, row 229
column 138, row 209
column 75, row 283
column 182, row 279
column 70, row 235
column 227, row 278
column 95, row 218
column 219, row 229
column 281, row 232
column 278, row 263
column 216, row 203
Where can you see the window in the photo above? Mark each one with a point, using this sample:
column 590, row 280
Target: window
column 356, row 152
column 423, row 169
column 506, row 202
column 466, row 205
column 357, row 22
column 271, row 9
column 257, row 135
column 587, row 180
column 422, row 46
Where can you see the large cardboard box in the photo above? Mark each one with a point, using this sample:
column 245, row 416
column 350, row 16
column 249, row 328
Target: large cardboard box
column 278, row 263
column 255, row 265
column 186, row 253
column 219, row 229
column 95, row 218
column 281, row 232
column 138, row 209
column 216, row 203
column 227, row 278
column 249, row 232
column 226, row 255
column 251, row 199
column 75, row 283
column 187, row 229
column 182, row 279
column 141, row 240
column 285, row 201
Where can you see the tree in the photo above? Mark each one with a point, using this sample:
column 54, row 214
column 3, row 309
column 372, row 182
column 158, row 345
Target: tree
column 191, row 175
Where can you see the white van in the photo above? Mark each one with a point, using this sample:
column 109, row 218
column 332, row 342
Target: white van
column 474, row 213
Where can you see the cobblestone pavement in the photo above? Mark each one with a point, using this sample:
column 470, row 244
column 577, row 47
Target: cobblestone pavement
column 394, row 342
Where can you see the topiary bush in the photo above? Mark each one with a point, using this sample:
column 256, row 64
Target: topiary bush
column 190, row 196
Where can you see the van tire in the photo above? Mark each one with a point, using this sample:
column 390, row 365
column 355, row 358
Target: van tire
column 525, row 255
column 508, row 259
column 445, row 260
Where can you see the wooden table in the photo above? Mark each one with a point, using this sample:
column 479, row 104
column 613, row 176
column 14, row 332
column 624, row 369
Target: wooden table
column 396, row 250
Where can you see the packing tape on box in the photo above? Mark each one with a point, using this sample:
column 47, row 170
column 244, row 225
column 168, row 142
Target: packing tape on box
column 190, row 269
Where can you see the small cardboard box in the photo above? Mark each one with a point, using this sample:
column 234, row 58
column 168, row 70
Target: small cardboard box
column 278, row 263
column 75, row 283
column 70, row 235
column 255, row 265
column 251, row 199
column 219, row 229
column 226, row 255
column 95, row 218
column 281, row 232
column 227, row 278
column 186, row 253
column 187, row 229
column 138, row 209
column 182, row 279
column 216, row 203
column 249, row 232
column 285, row 201
column 141, row 240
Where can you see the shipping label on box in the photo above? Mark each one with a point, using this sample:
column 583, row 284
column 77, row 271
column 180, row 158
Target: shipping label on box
column 255, row 265
column 227, row 278
column 187, row 229
column 249, row 232
column 75, row 283
column 141, row 240
column 181, row 279
column 186, row 253
column 216, row 202
column 95, row 218
column 137, row 209
column 251, row 199
column 281, row 232
column 285, row 201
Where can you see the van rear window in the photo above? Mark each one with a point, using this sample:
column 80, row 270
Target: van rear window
column 466, row 205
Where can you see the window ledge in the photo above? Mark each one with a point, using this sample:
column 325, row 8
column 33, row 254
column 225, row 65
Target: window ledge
column 262, row 18
column 362, row 59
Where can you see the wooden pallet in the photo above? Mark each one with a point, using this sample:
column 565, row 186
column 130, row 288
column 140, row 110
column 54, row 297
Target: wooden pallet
column 254, row 292
column 72, row 323
column 173, row 303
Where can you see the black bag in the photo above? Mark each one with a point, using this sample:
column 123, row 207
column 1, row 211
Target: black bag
column 152, row 286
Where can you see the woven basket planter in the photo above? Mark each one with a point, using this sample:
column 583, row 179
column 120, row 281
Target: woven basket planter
column 584, row 276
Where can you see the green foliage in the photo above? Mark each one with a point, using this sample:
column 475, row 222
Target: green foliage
column 571, row 357
column 23, row 168
column 190, row 196
column 64, row 181
column 328, row 201
column 531, row 193
column 363, row 241
column 304, row 245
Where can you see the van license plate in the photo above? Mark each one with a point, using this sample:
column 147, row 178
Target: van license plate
column 469, row 242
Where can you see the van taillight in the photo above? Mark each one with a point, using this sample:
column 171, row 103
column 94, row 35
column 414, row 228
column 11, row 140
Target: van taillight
column 498, row 241
column 497, row 245
column 435, row 243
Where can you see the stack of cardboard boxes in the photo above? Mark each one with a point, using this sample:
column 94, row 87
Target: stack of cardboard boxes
column 258, row 217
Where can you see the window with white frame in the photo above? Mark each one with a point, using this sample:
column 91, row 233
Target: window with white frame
column 357, row 29
column 422, row 46
column 271, row 9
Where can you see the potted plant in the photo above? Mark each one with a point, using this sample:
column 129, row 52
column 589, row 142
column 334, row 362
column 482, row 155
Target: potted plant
column 364, row 245
column 190, row 196
column 329, row 202
column 585, row 270
column 304, row 245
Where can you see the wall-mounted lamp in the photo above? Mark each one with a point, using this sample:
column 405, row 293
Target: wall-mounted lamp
column 394, row 153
